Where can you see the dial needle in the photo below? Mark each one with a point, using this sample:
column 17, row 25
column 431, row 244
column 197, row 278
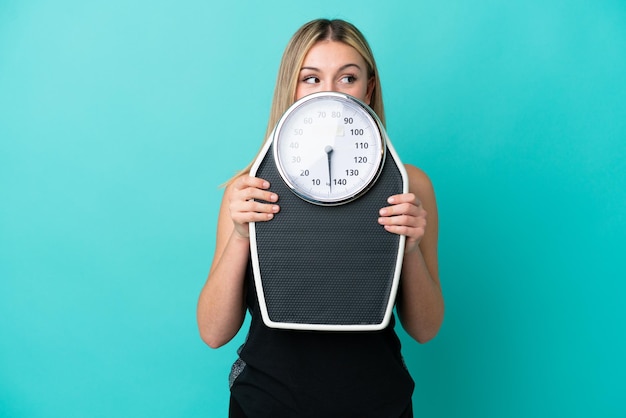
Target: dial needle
column 329, row 151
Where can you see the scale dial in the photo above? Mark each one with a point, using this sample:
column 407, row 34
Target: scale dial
column 329, row 148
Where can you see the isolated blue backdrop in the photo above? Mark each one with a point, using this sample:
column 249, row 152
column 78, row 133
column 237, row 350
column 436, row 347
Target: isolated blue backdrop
column 119, row 120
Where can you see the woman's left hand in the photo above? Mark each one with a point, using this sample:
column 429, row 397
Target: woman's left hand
column 405, row 216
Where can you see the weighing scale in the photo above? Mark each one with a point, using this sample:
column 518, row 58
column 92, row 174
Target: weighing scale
column 324, row 263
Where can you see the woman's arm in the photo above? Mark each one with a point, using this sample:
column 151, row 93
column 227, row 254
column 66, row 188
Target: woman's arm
column 414, row 214
column 221, row 305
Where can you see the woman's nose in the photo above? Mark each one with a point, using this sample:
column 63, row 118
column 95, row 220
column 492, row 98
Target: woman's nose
column 332, row 87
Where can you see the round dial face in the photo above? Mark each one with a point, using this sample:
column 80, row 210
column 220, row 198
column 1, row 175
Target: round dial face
column 329, row 148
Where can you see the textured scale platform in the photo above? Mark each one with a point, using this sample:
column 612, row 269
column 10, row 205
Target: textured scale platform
column 327, row 265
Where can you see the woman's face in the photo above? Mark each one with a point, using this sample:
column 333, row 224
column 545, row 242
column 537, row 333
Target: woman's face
column 334, row 66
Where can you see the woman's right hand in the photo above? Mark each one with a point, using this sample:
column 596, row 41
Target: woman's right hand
column 244, row 203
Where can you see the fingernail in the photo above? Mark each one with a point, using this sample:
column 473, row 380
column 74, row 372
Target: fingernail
column 266, row 184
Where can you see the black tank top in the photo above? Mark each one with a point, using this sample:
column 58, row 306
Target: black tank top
column 300, row 374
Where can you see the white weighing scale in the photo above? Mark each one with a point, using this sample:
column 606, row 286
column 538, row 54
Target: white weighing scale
column 324, row 263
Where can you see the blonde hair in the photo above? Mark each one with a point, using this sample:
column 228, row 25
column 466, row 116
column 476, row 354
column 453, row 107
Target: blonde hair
column 301, row 42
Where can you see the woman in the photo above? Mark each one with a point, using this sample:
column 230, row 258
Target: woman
column 282, row 373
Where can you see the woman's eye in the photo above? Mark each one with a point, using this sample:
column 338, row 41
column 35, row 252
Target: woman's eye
column 348, row 79
column 311, row 80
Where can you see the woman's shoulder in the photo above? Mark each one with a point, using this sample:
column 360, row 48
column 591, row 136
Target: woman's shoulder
column 229, row 185
column 419, row 182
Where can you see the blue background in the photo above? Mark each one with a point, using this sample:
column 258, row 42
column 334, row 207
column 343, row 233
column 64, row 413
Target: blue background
column 119, row 121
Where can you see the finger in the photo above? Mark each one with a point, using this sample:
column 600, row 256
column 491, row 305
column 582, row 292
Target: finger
column 403, row 220
column 413, row 235
column 404, row 198
column 242, row 219
column 401, row 209
column 244, row 211
column 414, row 231
column 253, row 188
column 251, row 193
column 247, row 217
column 251, row 181
column 259, row 207
column 409, row 232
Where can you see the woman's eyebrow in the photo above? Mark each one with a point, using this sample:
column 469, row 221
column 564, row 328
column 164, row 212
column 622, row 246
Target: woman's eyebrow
column 345, row 67
column 342, row 68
